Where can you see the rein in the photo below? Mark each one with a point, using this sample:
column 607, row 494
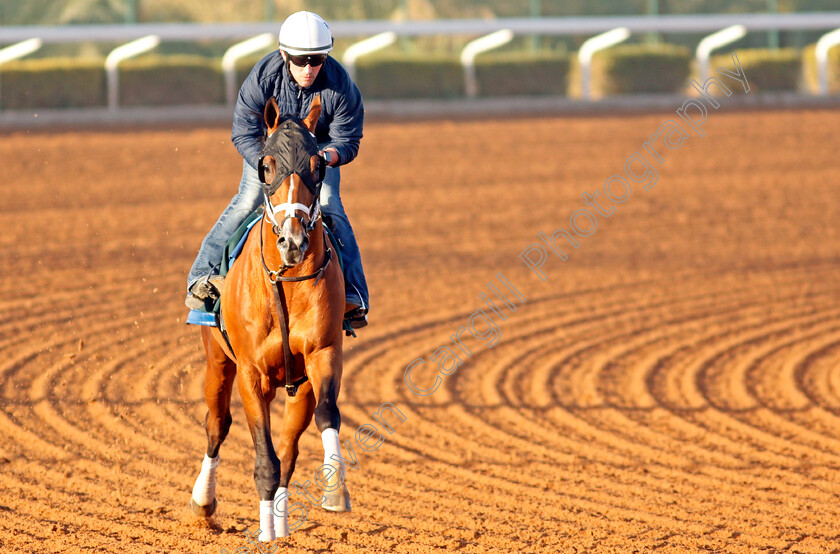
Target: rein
column 276, row 277
column 288, row 358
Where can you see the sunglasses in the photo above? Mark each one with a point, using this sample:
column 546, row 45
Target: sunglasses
column 314, row 60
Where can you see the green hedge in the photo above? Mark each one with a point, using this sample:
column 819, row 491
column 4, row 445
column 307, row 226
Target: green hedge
column 766, row 70
column 518, row 73
column 171, row 80
column 639, row 68
column 52, row 83
column 809, row 63
column 395, row 77
column 179, row 80
column 174, row 80
column 77, row 83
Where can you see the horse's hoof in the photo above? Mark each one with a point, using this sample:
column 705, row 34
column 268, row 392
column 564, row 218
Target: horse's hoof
column 337, row 501
column 203, row 511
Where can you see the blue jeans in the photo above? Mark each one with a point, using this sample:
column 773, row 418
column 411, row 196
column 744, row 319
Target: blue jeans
column 249, row 198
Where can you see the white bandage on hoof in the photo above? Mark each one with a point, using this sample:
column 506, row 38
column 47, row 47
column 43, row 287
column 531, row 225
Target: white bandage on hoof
column 281, row 512
column 266, row 521
column 204, row 490
column 332, row 449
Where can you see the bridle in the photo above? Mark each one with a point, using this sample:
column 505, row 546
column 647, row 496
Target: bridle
column 291, row 209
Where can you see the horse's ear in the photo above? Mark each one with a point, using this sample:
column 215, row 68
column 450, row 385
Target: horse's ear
column 272, row 115
column 314, row 113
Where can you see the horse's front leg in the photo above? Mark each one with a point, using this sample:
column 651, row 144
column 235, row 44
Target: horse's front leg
column 267, row 466
column 296, row 418
column 324, row 369
column 218, row 385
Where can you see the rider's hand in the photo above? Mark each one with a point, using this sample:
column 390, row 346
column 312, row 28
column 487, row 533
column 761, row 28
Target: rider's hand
column 333, row 156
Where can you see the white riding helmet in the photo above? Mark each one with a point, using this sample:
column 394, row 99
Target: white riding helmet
column 305, row 33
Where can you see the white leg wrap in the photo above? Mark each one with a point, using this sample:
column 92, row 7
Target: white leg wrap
column 204, row 490
column 281, row 516
column 266, row 521
column 337, row 498
column 332, row 447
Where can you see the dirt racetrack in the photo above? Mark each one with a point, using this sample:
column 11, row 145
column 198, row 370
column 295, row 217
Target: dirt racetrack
column 673, row 386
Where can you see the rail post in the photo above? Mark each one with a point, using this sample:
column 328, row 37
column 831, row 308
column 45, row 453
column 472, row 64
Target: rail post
column 19, row 50
column 476, row 47
column 712, row 43
column 363, row 47
column 117, row 55
column 237, row 51
column 588, row 49
column 826, row 43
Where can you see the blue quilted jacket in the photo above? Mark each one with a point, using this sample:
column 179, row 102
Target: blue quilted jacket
column 342, row 111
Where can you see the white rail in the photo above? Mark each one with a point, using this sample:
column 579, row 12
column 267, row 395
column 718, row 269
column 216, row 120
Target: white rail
column 588, row 49
column 19, row 50
column 520, row 26
column 580, row 26
column 476, row 47
column 712, row 43
column 366, row 46
column 117, row 55
column 826, row 43
column 237, row 51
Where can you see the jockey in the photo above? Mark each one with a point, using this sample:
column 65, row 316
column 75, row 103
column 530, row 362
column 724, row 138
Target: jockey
column 293, row 74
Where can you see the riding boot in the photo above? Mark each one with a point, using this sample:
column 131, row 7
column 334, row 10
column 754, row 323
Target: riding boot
column 203, row 293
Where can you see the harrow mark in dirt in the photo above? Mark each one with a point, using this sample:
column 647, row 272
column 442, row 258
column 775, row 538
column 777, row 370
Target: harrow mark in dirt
column 674, row 385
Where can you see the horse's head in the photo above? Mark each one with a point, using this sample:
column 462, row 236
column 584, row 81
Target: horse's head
column 291, row 171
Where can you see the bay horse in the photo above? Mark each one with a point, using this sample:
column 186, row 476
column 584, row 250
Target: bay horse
column 284, row 271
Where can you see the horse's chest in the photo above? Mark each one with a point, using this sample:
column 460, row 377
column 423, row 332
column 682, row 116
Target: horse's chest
column 273, row 357
column 272, row 351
